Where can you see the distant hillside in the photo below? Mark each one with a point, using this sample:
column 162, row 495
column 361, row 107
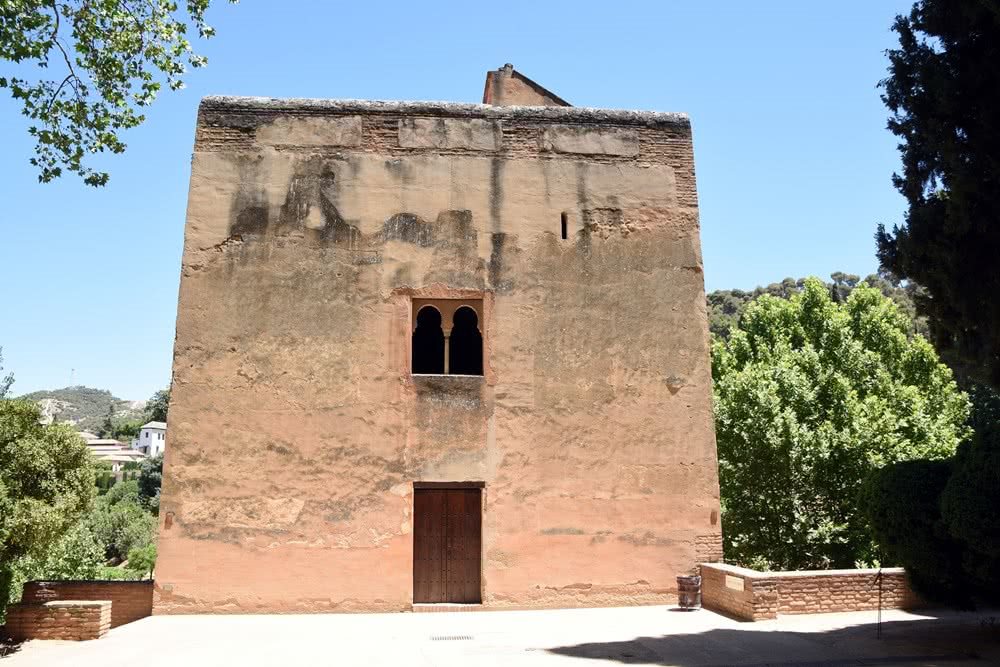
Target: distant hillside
column 726, row 306
column 84, row 407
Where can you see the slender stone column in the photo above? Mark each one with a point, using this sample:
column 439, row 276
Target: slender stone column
column 447, row 347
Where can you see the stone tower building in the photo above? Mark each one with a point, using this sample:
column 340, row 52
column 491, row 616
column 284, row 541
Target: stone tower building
column 438, row 353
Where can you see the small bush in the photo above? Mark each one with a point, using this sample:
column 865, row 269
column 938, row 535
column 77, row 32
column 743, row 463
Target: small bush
column 142, row 560
column 903, row 507
column 107, row 573
column 970, row 507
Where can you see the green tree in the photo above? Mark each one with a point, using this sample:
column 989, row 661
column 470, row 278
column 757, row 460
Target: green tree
column 77, row 555
column 156, row 407
column 89, row 68
column 810, row 395
column 108, row 425
column 126, row 429
column 726, row 306
column 150, row 480
column 46, row 485
column 119, row 523
column 5, row 380
column 142, row 560
column 943, row 92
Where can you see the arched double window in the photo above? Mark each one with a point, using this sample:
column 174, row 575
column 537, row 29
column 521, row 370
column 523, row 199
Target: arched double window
column 447, row 338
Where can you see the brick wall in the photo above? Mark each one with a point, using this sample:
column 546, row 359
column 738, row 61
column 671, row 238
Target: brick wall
column 67, row 619
column 754, row 596
column 738, row 592
column 842, row 590
column 130, row 600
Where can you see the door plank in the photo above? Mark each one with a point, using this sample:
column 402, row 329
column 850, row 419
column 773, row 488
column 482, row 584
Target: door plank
column 429, row 546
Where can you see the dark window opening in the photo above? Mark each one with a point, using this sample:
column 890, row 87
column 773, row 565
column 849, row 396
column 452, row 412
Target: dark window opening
column 565, row 226
column 465, row 354
column 428, row 342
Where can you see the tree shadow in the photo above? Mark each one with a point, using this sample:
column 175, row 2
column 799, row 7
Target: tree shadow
column 940, row 640
column 9, row 646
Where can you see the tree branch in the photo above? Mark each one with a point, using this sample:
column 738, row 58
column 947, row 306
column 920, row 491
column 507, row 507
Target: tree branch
column 72, row 72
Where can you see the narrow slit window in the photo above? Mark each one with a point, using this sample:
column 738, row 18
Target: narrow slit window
column 564, row 224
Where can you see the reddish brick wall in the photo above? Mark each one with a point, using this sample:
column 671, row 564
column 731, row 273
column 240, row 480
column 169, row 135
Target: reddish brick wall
column 843, row 590
column 757, row 600
column 69, row 619
column 755, row 596
column 131, row 600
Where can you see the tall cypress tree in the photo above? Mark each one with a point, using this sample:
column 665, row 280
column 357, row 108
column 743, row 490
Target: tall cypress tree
column 943, row 92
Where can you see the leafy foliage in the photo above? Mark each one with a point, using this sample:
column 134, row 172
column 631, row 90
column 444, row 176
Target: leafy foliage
column 120, row 523
column 46, row 485
column 157, row 405
column 5, row 380
column 943, row 92
column 150, row 480
column 939, row 519
column 726, row 306
column 970, row 500
column 902, row 502
column 142, row 560
column 125, row 429
column 810, row 395
column 77, row 555
column 111, row 59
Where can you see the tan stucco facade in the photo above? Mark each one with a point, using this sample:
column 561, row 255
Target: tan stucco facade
column 297, row 430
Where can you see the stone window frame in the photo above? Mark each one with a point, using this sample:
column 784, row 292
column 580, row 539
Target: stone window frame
column 447, row 307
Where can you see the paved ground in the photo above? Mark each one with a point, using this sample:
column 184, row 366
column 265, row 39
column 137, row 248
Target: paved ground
column 638, row 635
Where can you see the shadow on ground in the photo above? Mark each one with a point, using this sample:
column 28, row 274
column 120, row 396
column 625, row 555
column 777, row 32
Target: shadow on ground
column 927, row 641
column 8, row 646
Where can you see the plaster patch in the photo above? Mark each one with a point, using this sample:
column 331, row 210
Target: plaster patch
column 329, row 131
column 472, row 134
column 587, row 140
column 257, row 513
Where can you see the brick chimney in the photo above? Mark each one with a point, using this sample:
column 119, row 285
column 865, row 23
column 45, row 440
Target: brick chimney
column 507, row 87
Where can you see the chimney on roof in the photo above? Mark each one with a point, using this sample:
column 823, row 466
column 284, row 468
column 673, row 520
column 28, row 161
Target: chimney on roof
column 507, row 87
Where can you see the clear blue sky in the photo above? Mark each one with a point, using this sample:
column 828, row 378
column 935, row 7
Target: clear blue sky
column 793, row 161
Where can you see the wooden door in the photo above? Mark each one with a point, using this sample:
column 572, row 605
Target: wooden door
column 447, row 545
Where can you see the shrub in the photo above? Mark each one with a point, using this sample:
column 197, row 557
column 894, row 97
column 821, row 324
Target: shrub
column 150, row 480
column 120, row 524
column 902, row 503
column 970, row 502
column 142, row 560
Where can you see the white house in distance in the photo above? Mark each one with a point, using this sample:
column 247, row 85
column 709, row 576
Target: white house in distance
column 106, row 449
column 151, row 439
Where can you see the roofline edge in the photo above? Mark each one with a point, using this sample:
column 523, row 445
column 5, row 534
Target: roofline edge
column 236, row 104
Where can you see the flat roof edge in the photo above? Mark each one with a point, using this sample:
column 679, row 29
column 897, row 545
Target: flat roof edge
column 236, row 104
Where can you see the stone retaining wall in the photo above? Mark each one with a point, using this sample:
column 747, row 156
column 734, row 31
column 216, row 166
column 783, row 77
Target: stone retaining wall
column 130, row 600
column 754, row 596
column 66, row 619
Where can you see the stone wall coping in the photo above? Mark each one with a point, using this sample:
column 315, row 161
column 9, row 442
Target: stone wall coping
column 237, row 104
column 789, row 574
column 144, row 582
column 76, row 603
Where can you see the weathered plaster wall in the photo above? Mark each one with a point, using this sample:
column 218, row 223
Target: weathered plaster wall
column 296, row 428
